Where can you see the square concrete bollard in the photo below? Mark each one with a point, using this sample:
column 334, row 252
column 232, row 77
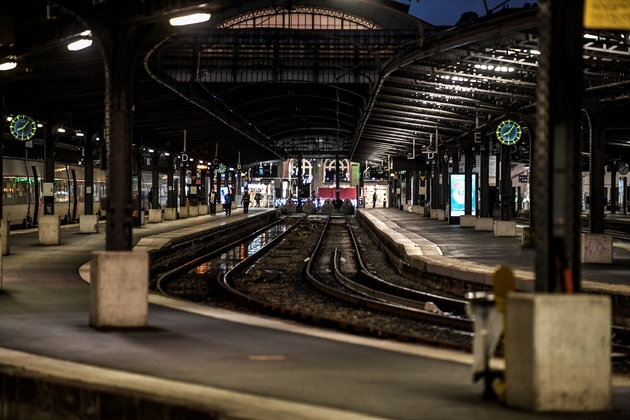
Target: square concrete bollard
column 558, row 352
column 467, row 220
column 49, row 229
column 419, row 210
column 440, row 214
column 529, row 238
column 434, row 213
column 193, row 211
column 119, row 289
column 505, row 228
column 484, row 224
column 597, row 248
column 183, row 212
column 155, row 216
column 88, row 223
column 5, row 229
column 170, row 213
column 203, row 209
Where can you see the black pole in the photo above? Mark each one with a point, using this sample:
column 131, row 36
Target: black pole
column 49, row 167
column 557, row 148
column 88, row 159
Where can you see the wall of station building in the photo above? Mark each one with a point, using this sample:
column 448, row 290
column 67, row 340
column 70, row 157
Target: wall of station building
column 277, row 182
column 315, row 180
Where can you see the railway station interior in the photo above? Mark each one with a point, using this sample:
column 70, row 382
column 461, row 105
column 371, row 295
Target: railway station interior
column 487, row 158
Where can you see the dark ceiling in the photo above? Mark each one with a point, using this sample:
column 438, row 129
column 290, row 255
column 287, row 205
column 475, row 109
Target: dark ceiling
column 271, row 93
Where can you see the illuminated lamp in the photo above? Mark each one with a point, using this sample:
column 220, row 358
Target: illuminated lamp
column 8, row 65
column 190, row 19
column 80, row 44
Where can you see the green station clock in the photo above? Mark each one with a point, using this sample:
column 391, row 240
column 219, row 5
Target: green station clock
column 509, row 132
column 23, row 127
column 221, row 168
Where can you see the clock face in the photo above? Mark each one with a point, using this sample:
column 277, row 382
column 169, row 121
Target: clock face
column 23, row 127
column 509, row 132
column 221, row 169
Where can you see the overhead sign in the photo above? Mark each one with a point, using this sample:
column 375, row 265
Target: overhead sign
column 607, row 14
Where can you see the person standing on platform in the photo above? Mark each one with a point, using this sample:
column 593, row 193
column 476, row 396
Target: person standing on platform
column 245, row 202
column 212, row 202
column 228, row 203
column 150, row 198
column 374, row 200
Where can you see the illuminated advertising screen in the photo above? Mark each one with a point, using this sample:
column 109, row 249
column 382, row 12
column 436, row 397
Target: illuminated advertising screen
column 458, row 195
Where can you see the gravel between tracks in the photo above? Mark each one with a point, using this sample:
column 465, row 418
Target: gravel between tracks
column 277, row 278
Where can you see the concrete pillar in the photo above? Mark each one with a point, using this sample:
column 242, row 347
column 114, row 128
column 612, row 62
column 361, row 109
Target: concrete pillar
column 88, row 223
column 597, row 248
column 119, row 289
column 170, row 213
column 558, row 352
column 467, row 220
column 505, row 228
column 529, row 238
column 155, row 216
column 484, row 224
column 203, row 209
column 183, row 212
column 49, row 229
column 193, row 211
column 5, row 228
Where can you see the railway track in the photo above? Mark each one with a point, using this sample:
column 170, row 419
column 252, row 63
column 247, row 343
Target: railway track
column 277, row 274
column 353, row 283
column 270, row 282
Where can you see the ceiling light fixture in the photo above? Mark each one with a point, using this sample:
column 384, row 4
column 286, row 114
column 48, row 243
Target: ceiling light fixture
column 80, row 44
column 190, row 19
column 8, row 65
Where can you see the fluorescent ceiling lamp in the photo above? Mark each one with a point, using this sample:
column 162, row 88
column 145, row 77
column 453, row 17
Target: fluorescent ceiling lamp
column 190, row 19
column 79, row 134
column 80, row 44
column 61, row 130
column 8, row 65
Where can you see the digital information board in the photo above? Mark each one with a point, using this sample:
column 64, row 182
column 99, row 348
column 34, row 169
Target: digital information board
column 458, row 195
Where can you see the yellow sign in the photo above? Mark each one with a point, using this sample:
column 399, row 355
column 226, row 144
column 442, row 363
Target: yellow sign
column 607, row 14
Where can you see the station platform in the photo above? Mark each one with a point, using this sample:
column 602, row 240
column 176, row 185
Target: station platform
column 233, row 365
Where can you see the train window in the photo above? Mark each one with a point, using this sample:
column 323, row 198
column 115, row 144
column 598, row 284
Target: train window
column 61, row 191
column 8, row 188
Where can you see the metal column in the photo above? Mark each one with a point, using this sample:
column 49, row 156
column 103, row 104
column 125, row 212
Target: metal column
column 118, row 45
column 557, row 161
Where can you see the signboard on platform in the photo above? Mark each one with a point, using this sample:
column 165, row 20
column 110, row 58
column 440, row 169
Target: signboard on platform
column 458, row 195
column 607, row 14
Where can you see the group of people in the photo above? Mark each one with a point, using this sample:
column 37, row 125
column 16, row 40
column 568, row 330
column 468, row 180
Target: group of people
column 228, row 198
